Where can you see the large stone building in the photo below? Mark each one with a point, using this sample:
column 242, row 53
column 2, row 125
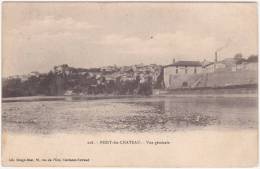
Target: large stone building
column 179, row 74
column 195, row 74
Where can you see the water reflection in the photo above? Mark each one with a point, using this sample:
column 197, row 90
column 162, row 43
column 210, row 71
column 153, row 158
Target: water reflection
column 180, row 113
column 129, row 115
column 166, row 123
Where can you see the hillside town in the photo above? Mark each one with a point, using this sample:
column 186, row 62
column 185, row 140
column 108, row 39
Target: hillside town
column 66, row 80
column 139, row 79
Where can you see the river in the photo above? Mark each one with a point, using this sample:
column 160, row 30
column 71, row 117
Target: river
column 151, row 114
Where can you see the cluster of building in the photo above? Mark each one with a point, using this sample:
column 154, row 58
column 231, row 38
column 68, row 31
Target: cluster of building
column 126, row 73
column 179, row 74
column 113, row 73
column 192, row 74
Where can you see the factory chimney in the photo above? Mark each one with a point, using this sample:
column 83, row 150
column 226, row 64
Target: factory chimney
column 216, row 56
column 173, row 60
column 216, row 60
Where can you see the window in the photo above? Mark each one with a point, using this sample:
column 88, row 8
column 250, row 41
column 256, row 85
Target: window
column 185, row 84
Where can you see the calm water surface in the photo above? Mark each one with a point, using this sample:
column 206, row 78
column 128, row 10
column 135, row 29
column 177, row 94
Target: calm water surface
column 165, row 114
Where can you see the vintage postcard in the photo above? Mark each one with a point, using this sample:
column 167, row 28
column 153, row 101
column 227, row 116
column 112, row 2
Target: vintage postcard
column 130, row 84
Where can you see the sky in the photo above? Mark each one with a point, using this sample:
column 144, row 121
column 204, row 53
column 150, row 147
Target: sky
column 37, row 36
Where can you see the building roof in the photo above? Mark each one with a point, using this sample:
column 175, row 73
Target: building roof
column 208, row 64
column 185, row 63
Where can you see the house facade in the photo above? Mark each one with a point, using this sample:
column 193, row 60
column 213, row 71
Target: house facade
column 213, row 67
column 194, row 74
column 179, row 74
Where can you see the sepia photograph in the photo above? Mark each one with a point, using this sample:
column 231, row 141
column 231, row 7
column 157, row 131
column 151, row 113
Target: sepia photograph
column 130, row 84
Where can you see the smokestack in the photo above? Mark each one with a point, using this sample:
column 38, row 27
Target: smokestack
column 216, row 56
column 173, row 60
column 216, row 60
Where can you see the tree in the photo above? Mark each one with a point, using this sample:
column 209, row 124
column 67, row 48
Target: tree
column 13, row 88
column 239, row 58
column 252, row 58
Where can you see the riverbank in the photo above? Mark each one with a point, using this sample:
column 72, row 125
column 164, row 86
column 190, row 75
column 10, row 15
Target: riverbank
column 218, row 90
column 199, row 148
column 98, row 97
column 73, row 97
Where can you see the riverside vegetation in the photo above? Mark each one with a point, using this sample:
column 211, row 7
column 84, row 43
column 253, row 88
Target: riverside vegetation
column 74, row 81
